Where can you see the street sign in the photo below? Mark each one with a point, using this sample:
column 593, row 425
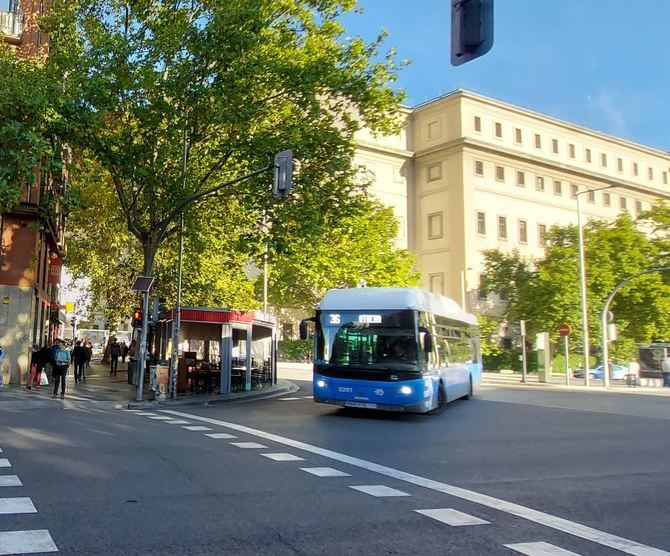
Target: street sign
column 564, row 329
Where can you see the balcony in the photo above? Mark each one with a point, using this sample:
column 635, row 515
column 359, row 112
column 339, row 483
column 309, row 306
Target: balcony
column 11, row 26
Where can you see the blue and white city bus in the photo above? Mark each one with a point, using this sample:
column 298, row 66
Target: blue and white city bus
column 393, row 349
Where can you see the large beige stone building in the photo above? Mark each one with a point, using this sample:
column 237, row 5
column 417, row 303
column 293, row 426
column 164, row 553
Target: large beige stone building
column 469, row 173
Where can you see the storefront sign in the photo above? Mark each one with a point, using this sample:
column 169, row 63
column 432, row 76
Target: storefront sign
column 55, row 267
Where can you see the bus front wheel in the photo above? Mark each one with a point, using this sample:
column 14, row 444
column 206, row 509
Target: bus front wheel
column 470, row 393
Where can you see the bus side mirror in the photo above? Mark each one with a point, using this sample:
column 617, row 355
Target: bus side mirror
column 427, row 339
column 304, row 332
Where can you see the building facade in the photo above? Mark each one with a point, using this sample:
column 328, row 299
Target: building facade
column 31, row 235
column 469, row 173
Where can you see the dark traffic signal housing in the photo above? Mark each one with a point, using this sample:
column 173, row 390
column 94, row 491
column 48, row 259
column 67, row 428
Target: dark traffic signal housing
column 471, row 29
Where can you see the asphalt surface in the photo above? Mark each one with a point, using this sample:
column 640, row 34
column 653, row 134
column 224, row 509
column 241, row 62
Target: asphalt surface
column 581, row 471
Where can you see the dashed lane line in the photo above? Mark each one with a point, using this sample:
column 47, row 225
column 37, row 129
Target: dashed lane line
column 10, row 481
column 26, row 542
column 178, row 422
column 452, row 517
column 161, row 418
column 18, row 505
column 540, row 549
column 4, row 462
column 283, row 457
column 197, row 428
column 248, row 445
column 325, row 472
column 221, row 435
column 380, row 491
column 560, row 524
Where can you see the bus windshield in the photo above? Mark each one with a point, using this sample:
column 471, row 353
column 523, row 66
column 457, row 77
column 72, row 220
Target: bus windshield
column 367, row 340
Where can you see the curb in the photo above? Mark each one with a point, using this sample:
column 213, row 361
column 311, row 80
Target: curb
column 282, row 387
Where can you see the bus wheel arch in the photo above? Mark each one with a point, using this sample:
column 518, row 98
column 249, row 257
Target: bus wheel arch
column 470, row 393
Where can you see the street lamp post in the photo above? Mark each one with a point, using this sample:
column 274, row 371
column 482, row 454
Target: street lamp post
column 582, row 279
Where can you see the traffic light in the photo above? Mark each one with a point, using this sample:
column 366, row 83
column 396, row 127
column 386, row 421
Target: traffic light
column 471, row 29
column 137, row 318
column 159, row 307
column 283, row 174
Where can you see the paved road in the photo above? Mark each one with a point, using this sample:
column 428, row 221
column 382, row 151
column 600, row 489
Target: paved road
column 511, row 472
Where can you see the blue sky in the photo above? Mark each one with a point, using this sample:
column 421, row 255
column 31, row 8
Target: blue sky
column 602, row 64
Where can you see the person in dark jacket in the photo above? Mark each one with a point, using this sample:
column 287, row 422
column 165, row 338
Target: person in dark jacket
column 38, row 360
column 114, row 352
column 79, row 360
column 88, row 346
column 60, row 359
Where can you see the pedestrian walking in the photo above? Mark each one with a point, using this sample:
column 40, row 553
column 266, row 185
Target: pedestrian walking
column 79, row 360
column 60, row 361
column 114, row 352
column 665, row 369
column 124, row 352
column 35, row 368
column 88, row 346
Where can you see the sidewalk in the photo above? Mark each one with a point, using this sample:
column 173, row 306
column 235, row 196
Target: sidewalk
column 113, row 392
column 557, row 382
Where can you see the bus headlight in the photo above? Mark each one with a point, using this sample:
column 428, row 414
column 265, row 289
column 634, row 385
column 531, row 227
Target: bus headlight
column 321, row 383
column 405, row 390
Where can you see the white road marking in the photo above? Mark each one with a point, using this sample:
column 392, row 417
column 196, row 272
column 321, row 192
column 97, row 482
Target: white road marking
column 452, row 517
column 248, row 445
column 220, row 435
column 10, row 481
column 288, row 399
column 178, row 422
column 17, row 506
column 379, row 490
column 197, row 428
column 541, row 549
column 325, row 472
column 161, row 418
column 133, row 410
column 5, row 463
column 283, row 457
column 26, row 542
column 147, row 414
column 0, row 450
column 308, row 397
column 560, row 524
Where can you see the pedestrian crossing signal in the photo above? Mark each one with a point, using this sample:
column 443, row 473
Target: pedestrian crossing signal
column 137, row 318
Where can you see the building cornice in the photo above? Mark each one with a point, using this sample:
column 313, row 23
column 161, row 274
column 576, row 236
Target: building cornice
column 383, row 149
column 578, row 174
column 462, row 94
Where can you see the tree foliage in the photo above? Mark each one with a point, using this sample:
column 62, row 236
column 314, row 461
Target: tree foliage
column 546, row 292
column 240, row 79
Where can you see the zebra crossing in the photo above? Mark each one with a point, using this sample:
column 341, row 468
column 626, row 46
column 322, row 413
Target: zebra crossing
column 25, row 541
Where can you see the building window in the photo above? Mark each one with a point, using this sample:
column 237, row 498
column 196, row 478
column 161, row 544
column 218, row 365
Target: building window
column 650, row 173
column 638, row 207
column 665, row 178
column 603, row 160
column 592, row 196
column 481, row 223
column 518, row 135
column 478, row 124
column 542, row 235
column 437, row 283
column 606, row 199
column 521, row 179
column 554, row 146
column 434, row 129
column 538, row 141
column 502, row 227
column 619, row 164
column 500, row 173
column 539, row 183
column 435, row 171
column 623, row 203
column 435, row 225
column 558, row 187
column 573, row 190
column 479, row 168
column 498, row 130
column 571, row 150
column 523, row 231
column 635, row 169
column 587, row 155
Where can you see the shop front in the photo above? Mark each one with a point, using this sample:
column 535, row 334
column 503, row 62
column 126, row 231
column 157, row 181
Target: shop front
column 221, row 350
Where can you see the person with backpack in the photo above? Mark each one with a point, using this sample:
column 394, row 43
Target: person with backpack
column 60, row 361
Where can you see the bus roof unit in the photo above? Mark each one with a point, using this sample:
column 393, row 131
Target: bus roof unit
column 358, row 299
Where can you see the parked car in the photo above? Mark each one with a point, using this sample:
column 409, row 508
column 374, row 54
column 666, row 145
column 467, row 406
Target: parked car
column 618, row 372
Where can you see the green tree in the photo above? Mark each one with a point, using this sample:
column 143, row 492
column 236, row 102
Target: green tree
column 29, row 126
